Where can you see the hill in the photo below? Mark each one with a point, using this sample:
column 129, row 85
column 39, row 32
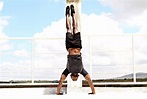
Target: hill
column 130, row 76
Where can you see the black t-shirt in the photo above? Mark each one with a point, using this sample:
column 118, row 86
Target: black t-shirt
column 75, row 65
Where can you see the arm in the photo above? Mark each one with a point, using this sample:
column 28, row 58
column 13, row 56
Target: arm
column 87, row 77
column 63, row 77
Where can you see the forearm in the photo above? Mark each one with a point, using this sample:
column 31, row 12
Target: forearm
column 91, row 86
column 59, row 86
column 63, row 77
column 87, row 77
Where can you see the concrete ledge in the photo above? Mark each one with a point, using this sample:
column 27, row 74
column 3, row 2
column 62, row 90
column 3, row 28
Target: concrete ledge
column 29, row 85
column 40, row 85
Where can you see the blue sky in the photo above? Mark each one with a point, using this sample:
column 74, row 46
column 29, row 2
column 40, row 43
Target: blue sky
column 28, row 17
column 46, row 19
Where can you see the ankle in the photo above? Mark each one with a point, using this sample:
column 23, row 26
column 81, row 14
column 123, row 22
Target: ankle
column 72, row 10
column 67, row 11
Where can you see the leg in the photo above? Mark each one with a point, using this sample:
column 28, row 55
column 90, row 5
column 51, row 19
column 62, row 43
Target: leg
column 68, row 21
column 74, row 22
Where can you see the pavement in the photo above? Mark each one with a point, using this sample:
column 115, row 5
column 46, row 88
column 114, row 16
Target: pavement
column 72, row 93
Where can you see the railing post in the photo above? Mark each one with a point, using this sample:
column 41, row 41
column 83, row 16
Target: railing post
column 133, row 60
column 90, row 56
column 32, row 61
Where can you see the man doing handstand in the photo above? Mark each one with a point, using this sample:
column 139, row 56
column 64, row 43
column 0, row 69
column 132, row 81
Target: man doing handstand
column 73, row 46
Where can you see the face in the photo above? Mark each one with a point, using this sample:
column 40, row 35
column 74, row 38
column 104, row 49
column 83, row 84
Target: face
column 74, row 77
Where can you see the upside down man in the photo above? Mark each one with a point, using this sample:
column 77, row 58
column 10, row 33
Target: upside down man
column 73, row 46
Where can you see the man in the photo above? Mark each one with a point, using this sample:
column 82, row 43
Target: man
column 73, row 46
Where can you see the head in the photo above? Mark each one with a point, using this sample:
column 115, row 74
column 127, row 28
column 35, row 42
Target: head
column 74, row 76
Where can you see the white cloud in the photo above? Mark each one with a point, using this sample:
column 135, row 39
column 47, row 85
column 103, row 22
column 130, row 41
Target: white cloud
column 100, row 25
column 126, row 8
column 4, row 46
column 129, row 12
column 91, row 25
column 56, row 1
column 21, row 53
column 15, row 70
column 55, row 30
column 1, row 5
column 3, row 23
column 140, row 21
column 3, row 42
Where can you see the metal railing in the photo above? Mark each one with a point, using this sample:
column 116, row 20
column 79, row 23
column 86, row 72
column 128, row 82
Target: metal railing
column 40, row 53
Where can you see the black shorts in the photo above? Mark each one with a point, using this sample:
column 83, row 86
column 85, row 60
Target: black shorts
column 83, row 72
column 73, row 40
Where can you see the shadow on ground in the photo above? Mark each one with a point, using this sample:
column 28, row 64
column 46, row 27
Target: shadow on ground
column 52, row 91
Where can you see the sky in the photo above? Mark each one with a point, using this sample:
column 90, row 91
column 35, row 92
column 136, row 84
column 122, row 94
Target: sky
column 109, row 22
column 25, row 18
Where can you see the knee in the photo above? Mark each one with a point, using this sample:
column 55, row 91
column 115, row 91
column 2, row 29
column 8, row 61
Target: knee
column 68, row 30
column 67, row 27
